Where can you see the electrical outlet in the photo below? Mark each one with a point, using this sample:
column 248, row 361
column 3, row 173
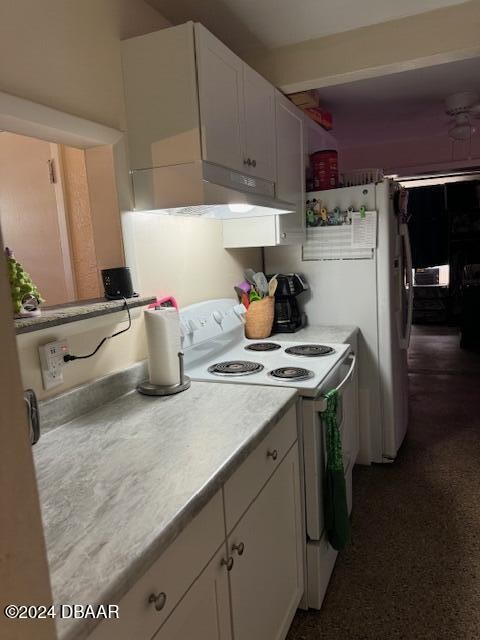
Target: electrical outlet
column 51, row 360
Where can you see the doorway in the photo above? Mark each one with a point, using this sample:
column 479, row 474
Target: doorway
column 33, row 215
column 59, row 215
column 444, row 229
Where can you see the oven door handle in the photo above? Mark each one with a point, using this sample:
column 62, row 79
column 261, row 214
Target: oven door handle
column 321, row 404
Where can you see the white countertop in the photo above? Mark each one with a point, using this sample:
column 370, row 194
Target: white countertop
column 118, row 484
column 320, row 333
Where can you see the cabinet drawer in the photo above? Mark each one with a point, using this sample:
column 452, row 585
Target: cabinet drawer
column 251, row 476
column 172, row 574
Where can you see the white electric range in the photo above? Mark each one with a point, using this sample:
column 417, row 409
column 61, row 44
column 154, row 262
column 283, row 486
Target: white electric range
column 215, row 350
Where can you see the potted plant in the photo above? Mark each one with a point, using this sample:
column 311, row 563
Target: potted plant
column 26, row 297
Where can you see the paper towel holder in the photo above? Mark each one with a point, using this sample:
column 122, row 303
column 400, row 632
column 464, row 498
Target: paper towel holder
column 149, row 389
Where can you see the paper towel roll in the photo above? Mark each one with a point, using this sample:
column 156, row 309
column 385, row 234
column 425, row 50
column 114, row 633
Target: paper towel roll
column 163, row 341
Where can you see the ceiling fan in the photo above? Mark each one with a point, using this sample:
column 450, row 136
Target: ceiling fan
column 462, row 109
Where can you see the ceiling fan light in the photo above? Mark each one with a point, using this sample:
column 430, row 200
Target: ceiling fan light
column 461, row 131
column 461, row 102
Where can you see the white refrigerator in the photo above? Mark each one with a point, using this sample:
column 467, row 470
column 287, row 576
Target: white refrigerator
column 374, row 293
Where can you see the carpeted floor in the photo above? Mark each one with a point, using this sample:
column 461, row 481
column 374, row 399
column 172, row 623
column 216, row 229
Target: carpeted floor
column 412, row 569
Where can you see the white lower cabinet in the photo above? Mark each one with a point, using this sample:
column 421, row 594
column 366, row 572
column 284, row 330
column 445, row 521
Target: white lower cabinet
column 236, row 571
column 263, row 568
column 204, row 611
column 157, row 594
column 266, row 579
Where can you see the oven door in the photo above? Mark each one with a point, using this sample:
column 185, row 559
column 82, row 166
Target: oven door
column 344, row 379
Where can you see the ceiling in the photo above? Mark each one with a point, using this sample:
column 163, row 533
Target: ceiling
column 247, row 24
column 409, row 104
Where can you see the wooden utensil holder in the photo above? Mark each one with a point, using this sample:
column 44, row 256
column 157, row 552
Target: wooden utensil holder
column 259, row 318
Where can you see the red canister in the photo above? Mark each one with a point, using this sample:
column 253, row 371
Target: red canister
column 324, row 168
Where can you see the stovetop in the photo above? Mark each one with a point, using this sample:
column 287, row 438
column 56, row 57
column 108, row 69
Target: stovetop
column 217, row 352
column 316, row 369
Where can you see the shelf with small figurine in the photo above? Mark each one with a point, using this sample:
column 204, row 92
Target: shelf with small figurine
column 338, row 234
column 318, row 216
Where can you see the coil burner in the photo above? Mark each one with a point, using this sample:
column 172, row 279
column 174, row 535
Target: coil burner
column 291, row 373
column 263, row 346
column 235, row 368
column 310, row 350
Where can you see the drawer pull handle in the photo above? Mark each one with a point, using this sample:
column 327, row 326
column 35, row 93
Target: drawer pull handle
column 239, row 548
column 254, row 163
column 158, row 600
column 227, row 563
column 272, row 454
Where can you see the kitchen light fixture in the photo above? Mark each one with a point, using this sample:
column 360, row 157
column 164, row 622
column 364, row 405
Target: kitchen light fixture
column 240, row 208
column 204, row 189
column 220, row 211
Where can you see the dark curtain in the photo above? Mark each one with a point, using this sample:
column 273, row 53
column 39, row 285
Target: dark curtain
column 428, row 226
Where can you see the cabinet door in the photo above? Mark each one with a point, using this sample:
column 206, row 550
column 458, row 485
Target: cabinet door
column 266, row 580
column 220, row 91
column 204, row 611
column 259, row 97
column 290, row 170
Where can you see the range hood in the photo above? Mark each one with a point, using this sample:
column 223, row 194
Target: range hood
column 204, row 189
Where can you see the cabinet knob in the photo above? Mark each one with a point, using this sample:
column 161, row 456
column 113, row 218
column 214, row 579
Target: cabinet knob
column 284, row 235
column 227, row 563
column 159, row 600
column 239, row 548
column 246, row 161
column 272, row 454
column 254, row 163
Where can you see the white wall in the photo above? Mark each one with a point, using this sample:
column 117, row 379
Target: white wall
column 184, row 257
column 83, row 337
column 410, row 156
column 66, row 53
column 23, row 559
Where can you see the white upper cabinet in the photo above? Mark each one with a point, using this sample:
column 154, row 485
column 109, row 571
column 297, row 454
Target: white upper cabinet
column 259, row 110
column 196, row 115
column 220, row 90
column 290, row 169
column 189, row 98
column 237, row 110
column 161, row 100
column 290, row 186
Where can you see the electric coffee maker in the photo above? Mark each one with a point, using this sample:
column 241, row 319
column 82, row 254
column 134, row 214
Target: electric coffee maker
column 288, row 318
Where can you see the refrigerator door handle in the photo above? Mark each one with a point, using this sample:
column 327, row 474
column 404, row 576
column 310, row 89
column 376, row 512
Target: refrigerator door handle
column 405, row 336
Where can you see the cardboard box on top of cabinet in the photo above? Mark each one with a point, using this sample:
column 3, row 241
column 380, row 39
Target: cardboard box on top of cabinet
column 305, row 99
column 309, row 103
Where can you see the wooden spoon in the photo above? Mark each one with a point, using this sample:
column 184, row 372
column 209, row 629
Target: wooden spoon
column 272, row 287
